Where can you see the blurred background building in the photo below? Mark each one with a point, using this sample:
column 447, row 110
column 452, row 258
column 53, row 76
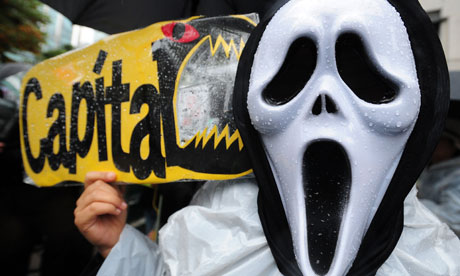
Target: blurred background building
column 60, row 32
column 445, row 15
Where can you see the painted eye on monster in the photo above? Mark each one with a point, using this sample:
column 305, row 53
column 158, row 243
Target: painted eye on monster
column 360, row 74
column 297, row 68
column 180, row 32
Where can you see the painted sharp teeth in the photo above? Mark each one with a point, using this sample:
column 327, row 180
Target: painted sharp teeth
column 227, row 47
column 204, row 137
column 327, row 183
column 204, row 93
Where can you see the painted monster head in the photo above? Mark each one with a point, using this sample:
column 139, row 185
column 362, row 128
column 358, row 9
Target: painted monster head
column 340, row 104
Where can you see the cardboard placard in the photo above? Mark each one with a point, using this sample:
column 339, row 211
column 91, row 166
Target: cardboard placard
column 153, row 105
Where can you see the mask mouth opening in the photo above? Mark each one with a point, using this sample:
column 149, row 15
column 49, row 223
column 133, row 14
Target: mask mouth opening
column 326, row 182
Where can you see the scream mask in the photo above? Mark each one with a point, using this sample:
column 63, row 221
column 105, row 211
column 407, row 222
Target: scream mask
column 340, row 104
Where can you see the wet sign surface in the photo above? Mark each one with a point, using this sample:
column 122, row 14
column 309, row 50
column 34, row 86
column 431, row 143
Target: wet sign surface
column 153, row 105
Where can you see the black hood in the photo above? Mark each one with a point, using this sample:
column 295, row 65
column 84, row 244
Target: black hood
column 386, row 226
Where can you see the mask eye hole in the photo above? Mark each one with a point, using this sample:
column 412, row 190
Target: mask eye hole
column 298, row 66
column 360, row 74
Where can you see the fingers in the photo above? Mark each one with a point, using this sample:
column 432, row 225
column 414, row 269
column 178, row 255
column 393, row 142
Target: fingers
column 98, row 199
column 92, row 177
column 100, row 191
column 100, row 214
column 89, row 214
column 108, row 177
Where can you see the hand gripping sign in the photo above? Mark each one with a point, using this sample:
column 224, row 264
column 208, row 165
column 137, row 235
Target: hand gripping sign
column 153, row 105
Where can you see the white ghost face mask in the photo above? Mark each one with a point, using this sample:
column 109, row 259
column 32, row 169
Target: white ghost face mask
column 333, row 138
column 333, row 95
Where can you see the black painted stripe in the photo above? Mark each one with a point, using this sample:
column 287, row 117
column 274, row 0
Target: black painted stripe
column 99, row 62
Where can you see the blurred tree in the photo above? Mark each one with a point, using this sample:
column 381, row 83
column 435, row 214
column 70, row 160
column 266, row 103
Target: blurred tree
column 19, row 26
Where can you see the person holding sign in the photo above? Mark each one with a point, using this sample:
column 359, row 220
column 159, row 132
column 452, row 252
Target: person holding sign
column 338, row 126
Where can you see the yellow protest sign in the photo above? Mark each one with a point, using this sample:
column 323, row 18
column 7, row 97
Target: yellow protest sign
column 152, row 105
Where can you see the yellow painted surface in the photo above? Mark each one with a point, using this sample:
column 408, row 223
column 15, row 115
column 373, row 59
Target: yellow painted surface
column 59, row 75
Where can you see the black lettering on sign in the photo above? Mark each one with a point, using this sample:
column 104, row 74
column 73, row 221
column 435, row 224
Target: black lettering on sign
column 99, row 62
column 100, row 117
column 58, row 128
column 77, row 146
column 150, row 125
column 36, row 164
column 117, row 94
column 95, row 100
